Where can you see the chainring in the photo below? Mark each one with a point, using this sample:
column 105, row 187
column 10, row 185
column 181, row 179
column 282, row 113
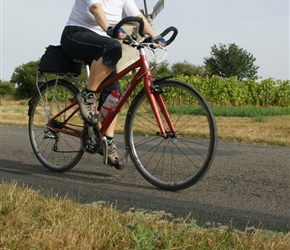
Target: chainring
column 91, row 139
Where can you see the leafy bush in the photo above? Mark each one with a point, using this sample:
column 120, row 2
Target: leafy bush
column 232, row 92
column 6, row 88
column 218, row 91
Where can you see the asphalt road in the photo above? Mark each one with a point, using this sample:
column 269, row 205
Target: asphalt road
column 247, row 186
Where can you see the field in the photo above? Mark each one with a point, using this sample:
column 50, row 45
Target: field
column 272, row 127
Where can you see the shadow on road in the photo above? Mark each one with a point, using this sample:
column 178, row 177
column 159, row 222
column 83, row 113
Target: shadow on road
column 87, row 176
column 86, row 186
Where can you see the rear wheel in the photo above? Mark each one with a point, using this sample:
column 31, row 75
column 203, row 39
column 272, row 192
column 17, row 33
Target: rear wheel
column 56, row 142
column 181, row 159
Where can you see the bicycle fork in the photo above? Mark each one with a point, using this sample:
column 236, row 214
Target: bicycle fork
column 155, row 100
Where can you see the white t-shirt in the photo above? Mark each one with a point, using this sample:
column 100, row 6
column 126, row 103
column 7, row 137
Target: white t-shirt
column 81, row 16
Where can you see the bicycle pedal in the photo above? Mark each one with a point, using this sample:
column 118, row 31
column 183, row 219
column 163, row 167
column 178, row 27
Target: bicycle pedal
column 105, row 150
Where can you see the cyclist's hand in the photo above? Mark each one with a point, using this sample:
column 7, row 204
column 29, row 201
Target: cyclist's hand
column 162, row 42
column 121, row 35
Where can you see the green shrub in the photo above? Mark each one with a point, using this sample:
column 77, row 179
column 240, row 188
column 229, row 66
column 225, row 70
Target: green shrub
column 6, row 88
column 235, row 93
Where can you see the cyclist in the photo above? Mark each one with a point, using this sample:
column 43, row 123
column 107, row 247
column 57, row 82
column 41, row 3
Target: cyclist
column 86, row 37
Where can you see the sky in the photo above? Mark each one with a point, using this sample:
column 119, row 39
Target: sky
column 261, row 27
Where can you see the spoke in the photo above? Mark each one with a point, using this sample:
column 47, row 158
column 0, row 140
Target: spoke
column 180, row 159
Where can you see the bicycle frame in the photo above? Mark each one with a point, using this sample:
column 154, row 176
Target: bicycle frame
column 169, row 157
column 153, row 97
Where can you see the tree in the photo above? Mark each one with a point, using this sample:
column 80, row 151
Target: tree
column 227, row 61
column 187, row 69
column 162, row 69
column 25, row 77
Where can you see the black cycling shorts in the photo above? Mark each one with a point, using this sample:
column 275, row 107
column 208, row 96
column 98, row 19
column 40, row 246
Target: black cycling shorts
column 85, row 45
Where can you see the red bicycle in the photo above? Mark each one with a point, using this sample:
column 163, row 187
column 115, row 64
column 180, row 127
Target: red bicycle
column 170, row 131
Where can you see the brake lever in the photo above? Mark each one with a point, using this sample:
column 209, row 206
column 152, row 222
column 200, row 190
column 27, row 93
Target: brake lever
column 129, row 39
column 154, row 45
column 147, row 39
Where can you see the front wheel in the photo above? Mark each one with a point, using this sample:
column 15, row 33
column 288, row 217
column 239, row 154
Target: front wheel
column 181, row 159
column 55, row 126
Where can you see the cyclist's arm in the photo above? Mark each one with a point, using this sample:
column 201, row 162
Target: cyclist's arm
column 149, row 30
column 147, row 27
column 101, row 19
column 100, row 16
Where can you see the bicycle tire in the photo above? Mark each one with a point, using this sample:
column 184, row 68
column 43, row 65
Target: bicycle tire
column 56, row 151
column 174, row 163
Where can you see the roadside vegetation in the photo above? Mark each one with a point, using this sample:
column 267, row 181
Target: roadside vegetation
column 268, row 126
column 31, row 220
column 246, row 111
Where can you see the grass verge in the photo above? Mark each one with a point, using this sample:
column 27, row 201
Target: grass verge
column 254, row 112
column 268, row 126
column 30, row 220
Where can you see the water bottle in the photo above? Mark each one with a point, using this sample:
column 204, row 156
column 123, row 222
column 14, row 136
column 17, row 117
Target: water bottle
column 109, row 104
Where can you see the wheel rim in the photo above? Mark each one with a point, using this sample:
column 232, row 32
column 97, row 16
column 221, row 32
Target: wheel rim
column 53, row 145
column 178, row 162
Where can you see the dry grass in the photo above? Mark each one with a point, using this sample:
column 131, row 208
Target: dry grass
column 265, row 130
column 13, row 113
column 30, row 220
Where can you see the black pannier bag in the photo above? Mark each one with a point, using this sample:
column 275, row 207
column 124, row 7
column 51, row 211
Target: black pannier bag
column 56, row 61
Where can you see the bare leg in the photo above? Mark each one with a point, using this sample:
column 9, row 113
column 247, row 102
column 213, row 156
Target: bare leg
column 99, row 72
column 111, row 129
